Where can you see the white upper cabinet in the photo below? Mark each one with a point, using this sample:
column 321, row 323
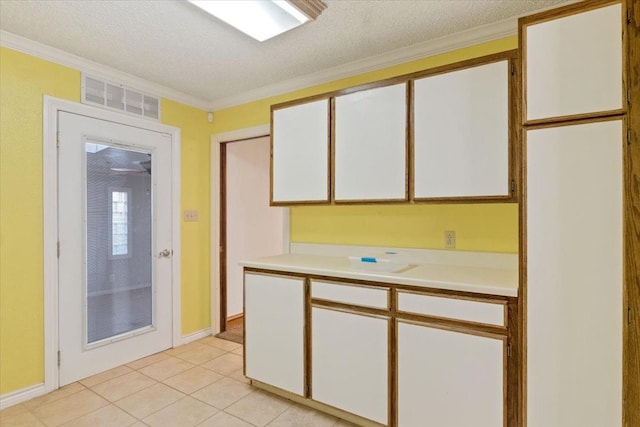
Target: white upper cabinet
column 461, row 133
column 371, row 144
column 300, row 153
column 574, row 64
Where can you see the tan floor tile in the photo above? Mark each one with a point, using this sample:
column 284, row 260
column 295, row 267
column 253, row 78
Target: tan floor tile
column 122, row 386
column 186, row 412
column 109, row 416
column 193, row 379
column 225, row 365
column 201, row 354
column 223, row 393
column 166, row 368
column 13, row 410
column 239, row 375
column 105, row 376
column 69, row 408
column 146, row 361
column 58, row 394
column 19, row 419
column 259, row 408
column 183, row 348
column 239, row 351
column 149, row 400
column 222, row 419
column 139, row 424
column 298, row 415
column 223, row 344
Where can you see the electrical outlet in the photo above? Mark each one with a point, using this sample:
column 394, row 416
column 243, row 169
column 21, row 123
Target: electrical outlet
column 190, row 216
column 450, row 239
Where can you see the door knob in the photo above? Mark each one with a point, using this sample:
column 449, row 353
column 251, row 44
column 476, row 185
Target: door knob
column 165, row 253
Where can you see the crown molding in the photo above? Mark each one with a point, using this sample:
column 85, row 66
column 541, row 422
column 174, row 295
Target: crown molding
column 43, row 51
column 470, row 37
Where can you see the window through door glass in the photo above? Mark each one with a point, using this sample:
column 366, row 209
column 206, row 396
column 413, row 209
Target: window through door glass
column 119, row 282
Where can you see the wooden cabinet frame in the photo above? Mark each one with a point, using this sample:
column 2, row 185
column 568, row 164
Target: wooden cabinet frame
column 630, row 115
column 509, row 333
column 514, row 118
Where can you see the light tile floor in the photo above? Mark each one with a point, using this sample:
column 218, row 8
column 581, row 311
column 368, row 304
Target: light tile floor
column 198, row 384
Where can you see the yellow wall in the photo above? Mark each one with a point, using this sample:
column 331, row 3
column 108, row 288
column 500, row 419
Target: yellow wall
column 487, row 227
column 23, row 82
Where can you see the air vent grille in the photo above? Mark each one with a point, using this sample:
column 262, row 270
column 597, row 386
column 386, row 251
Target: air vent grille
column 118, row 97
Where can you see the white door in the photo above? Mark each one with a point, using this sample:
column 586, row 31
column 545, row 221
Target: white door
column 114, row 210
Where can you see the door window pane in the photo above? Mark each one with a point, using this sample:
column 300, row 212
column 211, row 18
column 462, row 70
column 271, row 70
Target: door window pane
column 119, row 285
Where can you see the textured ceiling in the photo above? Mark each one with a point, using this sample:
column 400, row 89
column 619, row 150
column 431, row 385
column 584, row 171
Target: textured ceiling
column 175, row 44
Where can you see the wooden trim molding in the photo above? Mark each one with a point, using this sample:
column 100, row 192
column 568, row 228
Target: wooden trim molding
column 631, row 334
column 311, row 8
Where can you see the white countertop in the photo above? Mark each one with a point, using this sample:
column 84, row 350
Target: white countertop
column 490, row 281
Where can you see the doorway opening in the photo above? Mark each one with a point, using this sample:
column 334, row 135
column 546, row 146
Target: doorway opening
column 249, row 227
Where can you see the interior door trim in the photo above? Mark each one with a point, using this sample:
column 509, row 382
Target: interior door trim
column 51, row 107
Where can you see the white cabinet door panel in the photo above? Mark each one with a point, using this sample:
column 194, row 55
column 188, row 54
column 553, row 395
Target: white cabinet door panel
column 448, row 379
column 371, row 144
column 350, row 294
column 461, row 133
column 458, row 309
column 300, row 168
column 350, row 362
column 574, row 64
column 274, row 331
column 575, row 275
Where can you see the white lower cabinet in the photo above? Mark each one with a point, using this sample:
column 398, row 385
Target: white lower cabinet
column 350, row 362
column 449, row 379
column 274, row 330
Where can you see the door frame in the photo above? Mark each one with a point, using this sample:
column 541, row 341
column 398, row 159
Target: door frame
column 218, row 218
column 51, row 107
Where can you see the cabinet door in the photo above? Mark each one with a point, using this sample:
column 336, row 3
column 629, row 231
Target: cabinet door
column 300, row 153
column 449, row 379
column 274, row 330
column 461, row 133
column 573, row 64
column 574, row 275
column 350, row 362
column 371, row 144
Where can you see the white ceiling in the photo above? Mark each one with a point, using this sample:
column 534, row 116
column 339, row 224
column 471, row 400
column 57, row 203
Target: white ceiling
column 177, row 45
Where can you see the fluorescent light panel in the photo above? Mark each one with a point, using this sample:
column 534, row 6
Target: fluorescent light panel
column 260, row 19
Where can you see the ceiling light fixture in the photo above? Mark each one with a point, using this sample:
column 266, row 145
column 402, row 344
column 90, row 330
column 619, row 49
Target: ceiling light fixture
column 263, row 19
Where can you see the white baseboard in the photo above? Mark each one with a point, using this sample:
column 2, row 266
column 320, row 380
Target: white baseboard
column 22, row 395
column 195, row 336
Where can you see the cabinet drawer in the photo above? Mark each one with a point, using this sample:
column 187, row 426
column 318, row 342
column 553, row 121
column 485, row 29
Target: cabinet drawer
column 451, row 308
column 351, row 294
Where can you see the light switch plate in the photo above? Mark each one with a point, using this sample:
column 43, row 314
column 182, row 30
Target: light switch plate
column 190, row 216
